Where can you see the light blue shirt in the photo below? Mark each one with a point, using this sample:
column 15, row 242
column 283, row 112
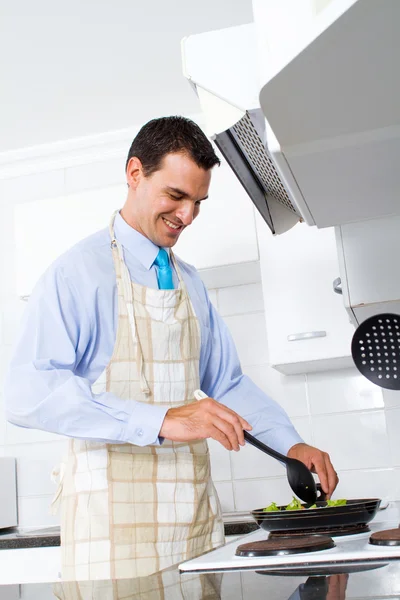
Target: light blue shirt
column 67, row 339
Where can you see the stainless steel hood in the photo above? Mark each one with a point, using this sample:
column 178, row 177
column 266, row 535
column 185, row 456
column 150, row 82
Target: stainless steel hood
column 311, row 131
column 243, row 149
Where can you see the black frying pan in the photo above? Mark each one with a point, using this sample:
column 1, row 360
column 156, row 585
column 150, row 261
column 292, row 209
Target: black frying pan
column 356, row 512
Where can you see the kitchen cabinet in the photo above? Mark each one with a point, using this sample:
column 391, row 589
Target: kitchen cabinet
column 223, row 234
column 369, row 268
column 29, row 565
column 308, row 328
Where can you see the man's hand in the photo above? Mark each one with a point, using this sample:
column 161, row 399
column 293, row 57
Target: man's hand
column 205, row 419
column 318, row 462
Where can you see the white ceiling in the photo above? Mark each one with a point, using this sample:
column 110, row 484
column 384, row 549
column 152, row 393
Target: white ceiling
column 81, row 67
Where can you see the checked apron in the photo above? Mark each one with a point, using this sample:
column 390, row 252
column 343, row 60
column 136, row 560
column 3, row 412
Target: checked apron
column 129, row 511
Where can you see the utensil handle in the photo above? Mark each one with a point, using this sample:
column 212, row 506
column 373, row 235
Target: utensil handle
column 200, row 395
column 264, row 448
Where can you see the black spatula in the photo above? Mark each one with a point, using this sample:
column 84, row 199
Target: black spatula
column 299, row 476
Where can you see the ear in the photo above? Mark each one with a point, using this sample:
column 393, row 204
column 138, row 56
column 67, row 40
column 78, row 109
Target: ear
column 134, row 172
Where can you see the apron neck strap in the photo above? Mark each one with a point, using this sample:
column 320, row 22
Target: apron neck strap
column 127, row 291
column 111, row 226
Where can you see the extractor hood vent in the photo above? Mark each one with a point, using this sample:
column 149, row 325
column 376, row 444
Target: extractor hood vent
column 250, row 160
column 260, row 159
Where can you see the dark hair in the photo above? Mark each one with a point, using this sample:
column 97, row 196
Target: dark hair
column 166, row 135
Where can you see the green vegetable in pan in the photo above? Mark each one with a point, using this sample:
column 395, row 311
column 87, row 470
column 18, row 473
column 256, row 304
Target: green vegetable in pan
column 295, row 504
column 271, row 508
column 336, row 502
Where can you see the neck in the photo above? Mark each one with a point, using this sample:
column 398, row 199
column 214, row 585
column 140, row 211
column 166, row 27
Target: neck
column 130, row 221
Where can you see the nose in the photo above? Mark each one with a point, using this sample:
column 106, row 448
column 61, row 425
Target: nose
column 186, row 212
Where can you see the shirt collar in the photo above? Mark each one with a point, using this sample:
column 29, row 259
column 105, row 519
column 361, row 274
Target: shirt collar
column 137, row 244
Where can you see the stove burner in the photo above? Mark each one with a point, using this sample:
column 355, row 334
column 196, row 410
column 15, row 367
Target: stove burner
column 389, row 537
column 335, row 531
column 285, row 546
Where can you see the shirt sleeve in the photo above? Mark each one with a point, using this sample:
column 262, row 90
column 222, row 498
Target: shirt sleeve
column 222, row 379
column 42, row 389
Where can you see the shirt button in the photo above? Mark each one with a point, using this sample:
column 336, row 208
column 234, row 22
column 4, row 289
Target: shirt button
column 139, row 432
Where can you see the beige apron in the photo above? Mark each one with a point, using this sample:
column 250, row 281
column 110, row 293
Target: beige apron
column 129, row 511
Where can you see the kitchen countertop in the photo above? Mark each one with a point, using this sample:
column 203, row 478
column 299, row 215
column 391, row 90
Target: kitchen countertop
column 14, row 537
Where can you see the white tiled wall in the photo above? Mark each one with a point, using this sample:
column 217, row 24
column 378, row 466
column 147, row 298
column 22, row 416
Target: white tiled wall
column 339, row 411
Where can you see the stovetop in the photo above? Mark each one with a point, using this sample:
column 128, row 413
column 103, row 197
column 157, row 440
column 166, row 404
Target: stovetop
column 352, row 549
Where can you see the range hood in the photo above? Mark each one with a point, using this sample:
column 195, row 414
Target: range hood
column 310, row 128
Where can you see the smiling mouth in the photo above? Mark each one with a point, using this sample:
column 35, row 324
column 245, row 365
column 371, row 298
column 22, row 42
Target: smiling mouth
column 171, row 225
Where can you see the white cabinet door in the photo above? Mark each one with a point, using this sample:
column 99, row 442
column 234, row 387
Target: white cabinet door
column 297, row 270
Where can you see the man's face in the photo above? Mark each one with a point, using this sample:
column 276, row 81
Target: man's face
column 165, row 203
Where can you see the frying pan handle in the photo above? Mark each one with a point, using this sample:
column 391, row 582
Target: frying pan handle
column 321, row 496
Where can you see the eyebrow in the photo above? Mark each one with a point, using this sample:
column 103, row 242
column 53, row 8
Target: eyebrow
column 181, row 192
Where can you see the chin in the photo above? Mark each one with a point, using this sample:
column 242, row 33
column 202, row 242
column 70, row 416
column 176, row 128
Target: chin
column 167, row 241
column 162, row 242
column 170, row 243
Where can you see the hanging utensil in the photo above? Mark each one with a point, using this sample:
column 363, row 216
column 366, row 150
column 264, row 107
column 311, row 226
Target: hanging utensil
column 375, row 348
column 299, row 476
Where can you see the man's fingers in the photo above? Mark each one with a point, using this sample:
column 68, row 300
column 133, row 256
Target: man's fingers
column 333, row 479
column 229, row 430
column 245, row 424
column 235, row 421
column 217, row 435
column 326, row 473
column 202, row 419
column 225, row 412
column 318, row 462
column 320, row 468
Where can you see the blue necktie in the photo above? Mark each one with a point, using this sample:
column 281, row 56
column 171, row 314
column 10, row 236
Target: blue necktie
column 164, row 273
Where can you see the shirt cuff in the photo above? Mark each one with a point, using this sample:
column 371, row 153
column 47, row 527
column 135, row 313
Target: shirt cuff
column 144, row 424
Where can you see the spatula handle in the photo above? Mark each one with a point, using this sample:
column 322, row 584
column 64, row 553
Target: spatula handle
column 200, row 395
column 264, row 448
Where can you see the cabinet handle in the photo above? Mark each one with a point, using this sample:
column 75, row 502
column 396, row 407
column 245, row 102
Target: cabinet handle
column 337, row 285
column 308, row 335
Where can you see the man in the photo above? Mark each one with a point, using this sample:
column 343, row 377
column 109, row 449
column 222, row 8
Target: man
column 121, row 313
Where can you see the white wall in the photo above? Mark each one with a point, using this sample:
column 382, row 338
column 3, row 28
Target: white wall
column 339, row 411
